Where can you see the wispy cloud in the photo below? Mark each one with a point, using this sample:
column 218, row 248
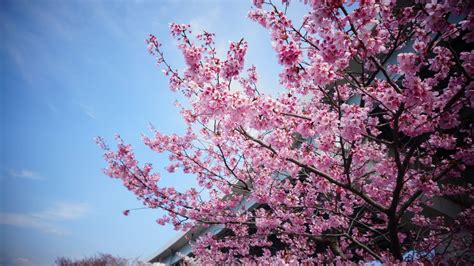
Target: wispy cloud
column 88, row 110
column 46, row 221
column 101, row 12
column 25, row 173
column 22, row 261
column 53, row 108
column 64, row 211
column 207, row 22
column 20, row 63
column 30, row 221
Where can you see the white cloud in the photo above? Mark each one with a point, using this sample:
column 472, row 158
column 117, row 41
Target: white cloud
column 64, row 211
column 101, row 12
column 30, row 221
column 21, row 261
column 21, row 63
column 46, row 221
column 208, row 22
column 25, row 173
column 88, row 110
column 53, row 108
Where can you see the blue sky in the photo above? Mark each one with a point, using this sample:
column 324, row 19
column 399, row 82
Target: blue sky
column 73, row 70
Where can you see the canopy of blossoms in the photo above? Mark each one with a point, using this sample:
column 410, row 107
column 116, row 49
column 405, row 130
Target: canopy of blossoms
column 375, row 122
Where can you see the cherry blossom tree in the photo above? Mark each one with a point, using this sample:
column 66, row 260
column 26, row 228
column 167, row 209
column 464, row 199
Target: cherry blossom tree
column 374, row 125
